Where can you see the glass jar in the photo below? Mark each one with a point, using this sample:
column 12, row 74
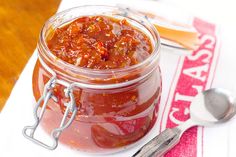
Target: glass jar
column 98, row 111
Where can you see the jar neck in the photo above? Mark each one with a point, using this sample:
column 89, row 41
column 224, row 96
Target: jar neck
column 124, row 76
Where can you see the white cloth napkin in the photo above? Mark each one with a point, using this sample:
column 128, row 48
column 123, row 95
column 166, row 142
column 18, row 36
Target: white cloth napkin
column 218, row 141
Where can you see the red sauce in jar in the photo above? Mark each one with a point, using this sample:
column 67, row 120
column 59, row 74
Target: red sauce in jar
column 100, row 42
column 110, row 118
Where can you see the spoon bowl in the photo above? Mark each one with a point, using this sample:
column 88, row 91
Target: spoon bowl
column 212, row 106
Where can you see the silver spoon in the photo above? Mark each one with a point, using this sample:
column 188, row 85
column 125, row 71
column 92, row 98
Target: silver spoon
column 210, row 107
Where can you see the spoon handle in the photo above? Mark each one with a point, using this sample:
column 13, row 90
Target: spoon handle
column 160, row 144
column 163, row 142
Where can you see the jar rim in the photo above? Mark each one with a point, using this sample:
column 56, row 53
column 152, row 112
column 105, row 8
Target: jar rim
column 51, row 57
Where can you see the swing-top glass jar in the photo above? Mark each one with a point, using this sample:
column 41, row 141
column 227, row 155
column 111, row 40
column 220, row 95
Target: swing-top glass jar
column 95, row 110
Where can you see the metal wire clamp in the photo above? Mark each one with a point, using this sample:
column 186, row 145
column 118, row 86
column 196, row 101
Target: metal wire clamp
column 29, row 131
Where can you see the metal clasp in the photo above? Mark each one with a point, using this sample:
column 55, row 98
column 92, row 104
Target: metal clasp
column 47, row 95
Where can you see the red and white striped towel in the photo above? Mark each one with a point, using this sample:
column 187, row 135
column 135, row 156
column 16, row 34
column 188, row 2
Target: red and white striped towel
column 183, row 78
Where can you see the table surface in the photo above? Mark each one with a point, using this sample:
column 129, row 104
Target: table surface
column 20, row 25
